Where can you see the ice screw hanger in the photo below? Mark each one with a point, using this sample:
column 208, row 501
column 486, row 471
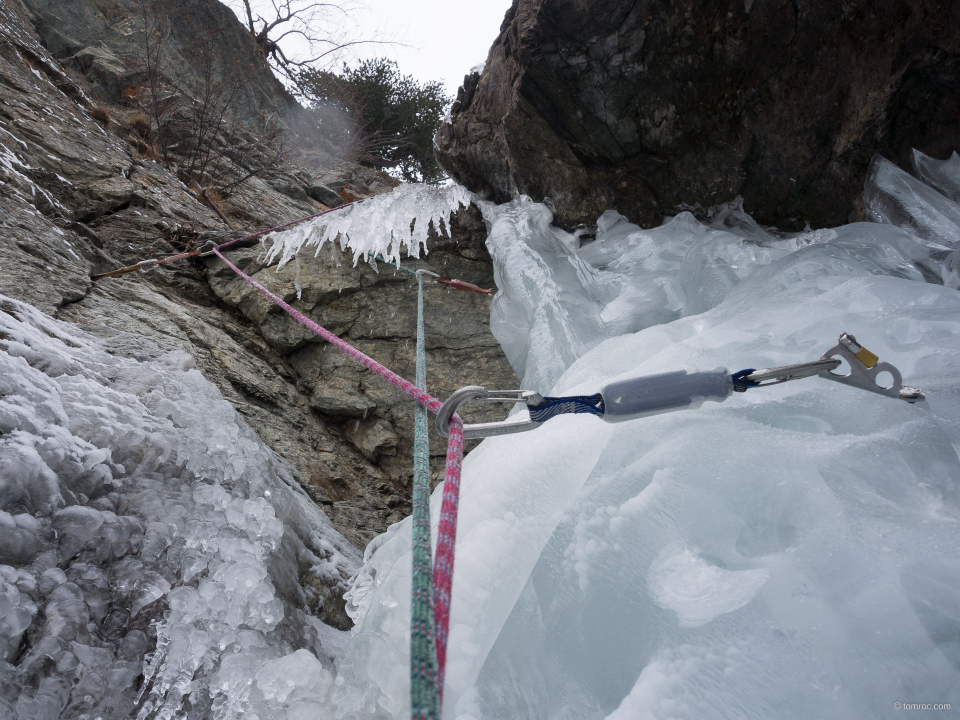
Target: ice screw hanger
column 666, row 392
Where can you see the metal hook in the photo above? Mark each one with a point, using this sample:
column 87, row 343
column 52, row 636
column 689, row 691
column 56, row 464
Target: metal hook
column 865, row 367
column 491, row 429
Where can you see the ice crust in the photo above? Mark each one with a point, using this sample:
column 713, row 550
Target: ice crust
column 941, row 175
column 559, row 300
column 152, row 549
column 789, row 553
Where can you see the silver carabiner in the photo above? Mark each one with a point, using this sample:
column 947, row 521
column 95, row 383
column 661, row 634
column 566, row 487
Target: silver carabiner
column 491, row 429
column 777, row 375
column 865, row 367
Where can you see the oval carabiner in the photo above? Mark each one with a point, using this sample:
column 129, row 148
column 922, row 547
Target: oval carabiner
column 491, row 429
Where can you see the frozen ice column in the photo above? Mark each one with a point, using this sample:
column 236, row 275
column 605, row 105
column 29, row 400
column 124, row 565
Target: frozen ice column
column 654, row 394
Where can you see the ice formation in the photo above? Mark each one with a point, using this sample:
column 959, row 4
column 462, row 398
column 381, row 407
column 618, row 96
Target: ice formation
column 558, row 301
column 381, row 226
column 156, row 559
column 942, row 175
column 895, row 197
column 788, row 553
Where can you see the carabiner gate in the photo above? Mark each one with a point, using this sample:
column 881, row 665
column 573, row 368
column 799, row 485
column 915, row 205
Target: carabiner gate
column 490, row 429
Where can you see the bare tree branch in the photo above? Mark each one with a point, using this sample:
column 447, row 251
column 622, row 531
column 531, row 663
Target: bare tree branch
column 322, row 27
column 250, row 25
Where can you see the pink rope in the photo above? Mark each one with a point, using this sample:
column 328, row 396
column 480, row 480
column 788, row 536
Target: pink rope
column 447, row 532
column 201, row 251
column 286, row 225
column 446, row 540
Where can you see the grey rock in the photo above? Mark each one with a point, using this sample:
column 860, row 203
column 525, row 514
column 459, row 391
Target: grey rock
column 646, row 106
column 77, row 200
column 323, row 194
column 337, row 392
column 374, row 438
column 109, row 75
column 92, row 34
column 85, row 231
column 376, row 312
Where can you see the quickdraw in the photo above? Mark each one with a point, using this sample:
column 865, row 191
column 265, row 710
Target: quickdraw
column 666, row 392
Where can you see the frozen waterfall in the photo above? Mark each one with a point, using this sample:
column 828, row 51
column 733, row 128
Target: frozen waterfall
column 789, row 553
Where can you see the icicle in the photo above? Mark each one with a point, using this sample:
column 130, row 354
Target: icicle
column 382, row 225
column 296, row 278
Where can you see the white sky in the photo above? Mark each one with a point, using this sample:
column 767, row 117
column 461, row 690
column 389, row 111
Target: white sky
column 448, row 36
column 441, row 39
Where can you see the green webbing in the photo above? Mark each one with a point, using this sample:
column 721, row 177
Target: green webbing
column 424, row 695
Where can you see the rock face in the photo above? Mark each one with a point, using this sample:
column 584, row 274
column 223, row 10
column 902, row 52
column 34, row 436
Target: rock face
column 376, row 311
column 76, row 199
column 104, row 39
column 645, row 106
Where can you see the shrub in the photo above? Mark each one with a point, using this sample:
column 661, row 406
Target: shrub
column 189, row 121
column 101, row 113
column 139, row 124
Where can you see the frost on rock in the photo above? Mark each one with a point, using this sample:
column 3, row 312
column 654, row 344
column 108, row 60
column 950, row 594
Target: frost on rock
column 788, row 553
column 378, row 227
column 152, row 549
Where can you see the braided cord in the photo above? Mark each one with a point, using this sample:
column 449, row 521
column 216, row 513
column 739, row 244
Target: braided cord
column 447, row 533
column 424, row 694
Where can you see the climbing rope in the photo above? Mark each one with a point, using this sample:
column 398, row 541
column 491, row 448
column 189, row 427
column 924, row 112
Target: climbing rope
column 148, row 264
column 424, row 693
column 442, row 578
column 432, row 580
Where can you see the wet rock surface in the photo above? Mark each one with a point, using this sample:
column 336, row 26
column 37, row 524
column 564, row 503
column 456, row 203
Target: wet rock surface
column 76, row 200
column 646, row 106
